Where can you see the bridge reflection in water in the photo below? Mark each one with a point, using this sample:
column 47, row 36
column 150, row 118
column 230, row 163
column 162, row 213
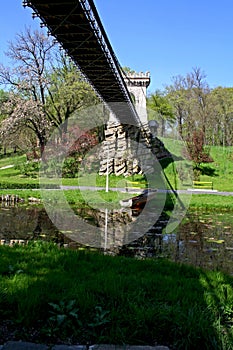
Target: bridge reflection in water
column 203, row 240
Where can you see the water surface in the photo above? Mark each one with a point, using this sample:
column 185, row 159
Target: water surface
column 205, row 238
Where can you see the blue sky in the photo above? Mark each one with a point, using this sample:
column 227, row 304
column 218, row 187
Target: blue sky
column 165, row 37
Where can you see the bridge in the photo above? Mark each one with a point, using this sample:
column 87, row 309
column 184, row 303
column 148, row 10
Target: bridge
column 76, row 25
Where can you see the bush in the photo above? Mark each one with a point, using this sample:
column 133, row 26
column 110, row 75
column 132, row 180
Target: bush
column 70, row 167
column 30, row 168
column 17, row 185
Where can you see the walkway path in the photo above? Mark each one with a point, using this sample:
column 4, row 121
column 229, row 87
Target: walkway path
column 6, row 167
column 14, row 345
column 134, row 190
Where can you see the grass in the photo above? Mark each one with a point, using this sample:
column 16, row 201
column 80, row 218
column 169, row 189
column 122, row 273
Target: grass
column 77, row 296
column 99, row 198
column 100, row 181
column 219, row 172
column 92, row 198
column 211, row 201
column 55, row 295
column 11, row 159
column 22, row 194
column 12, row 178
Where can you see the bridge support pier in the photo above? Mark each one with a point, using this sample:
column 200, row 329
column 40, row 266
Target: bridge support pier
column 125, row 148
column 128, row 150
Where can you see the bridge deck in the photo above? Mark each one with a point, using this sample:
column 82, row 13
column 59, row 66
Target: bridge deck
column 77, row 27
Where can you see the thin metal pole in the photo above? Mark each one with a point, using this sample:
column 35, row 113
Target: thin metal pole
column 106, row 229
column 107, row 179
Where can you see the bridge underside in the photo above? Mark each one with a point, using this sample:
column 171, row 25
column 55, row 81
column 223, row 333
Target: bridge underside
column 77, row 27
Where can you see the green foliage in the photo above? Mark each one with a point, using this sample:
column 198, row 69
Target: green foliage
column 219, row 171
column 160, row 109
column 29, row 169
column 63, row 319
column 198, row 153
column 69, row 92
column 221, row 100
column 70, row 167
column 195, row 105
column 211, row 202
column 115, row 300
column 12, row 159
column 128, row 70
column 159, row 103
column 18, row 185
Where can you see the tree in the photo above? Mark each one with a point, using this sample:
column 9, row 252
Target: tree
column 200, row 89
column 177, row 96
column 197, row 152
column 221, row 131
column 51, row 88
column 84, row 141
column 3, row 96
column 160, row 109
column 24, row 114
column 68, row 92
column 33, row 55
column 189, row 97
column 128, row 70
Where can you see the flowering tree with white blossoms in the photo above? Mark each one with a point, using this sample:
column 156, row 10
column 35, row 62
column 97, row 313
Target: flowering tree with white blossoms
column 47, row 88
column 24, row 114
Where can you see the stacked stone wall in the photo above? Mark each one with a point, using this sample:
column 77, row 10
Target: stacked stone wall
column 129, row 150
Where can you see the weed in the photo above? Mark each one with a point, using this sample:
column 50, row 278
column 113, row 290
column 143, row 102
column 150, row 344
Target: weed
column 64, row 318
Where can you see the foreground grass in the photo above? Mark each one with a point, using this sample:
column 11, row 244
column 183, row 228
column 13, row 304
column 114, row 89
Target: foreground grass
column 81, row 296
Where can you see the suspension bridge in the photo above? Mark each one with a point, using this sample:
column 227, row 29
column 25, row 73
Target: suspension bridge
column 76, row 25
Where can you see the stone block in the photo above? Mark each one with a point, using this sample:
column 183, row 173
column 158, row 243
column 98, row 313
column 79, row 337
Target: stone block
column 129, row 347
column 20, row 345
column 71, row 347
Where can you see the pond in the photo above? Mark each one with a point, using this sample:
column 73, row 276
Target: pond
column 204, row 238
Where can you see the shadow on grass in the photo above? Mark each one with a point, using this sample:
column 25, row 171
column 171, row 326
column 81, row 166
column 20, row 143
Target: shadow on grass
column 164, row 162
column 141, row 302
column 209, row 171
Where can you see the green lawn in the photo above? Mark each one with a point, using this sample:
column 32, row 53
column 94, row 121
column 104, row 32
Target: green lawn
column 12, row 159
column 211, row 201
column 221, row 175
column 219, row 172
column 78, row 297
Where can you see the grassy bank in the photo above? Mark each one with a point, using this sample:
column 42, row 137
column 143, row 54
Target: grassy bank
column 211, row 201
column 101, row 198
column 50, row 294
column 82, row 198
column 219, row 172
